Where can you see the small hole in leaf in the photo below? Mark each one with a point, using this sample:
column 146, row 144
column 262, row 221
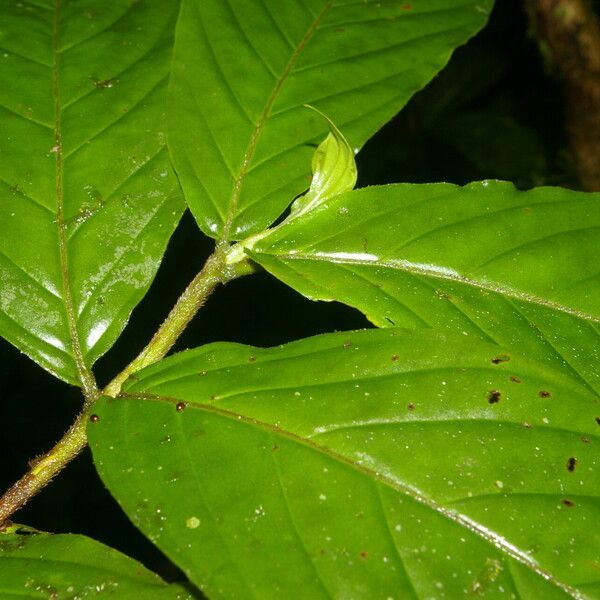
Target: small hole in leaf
column 515, row 379
column 493, row 397
column 526, row 425
column 501, row 358
column 347, row 344
column 180, row 406
column 571, row 463
column 568, row 502
column 94, row 418
column 410, row 406
column 585, row 440
column 394, row 358
column 544, row 394
column 598, row 420
column 252, row 358
column 202, row 373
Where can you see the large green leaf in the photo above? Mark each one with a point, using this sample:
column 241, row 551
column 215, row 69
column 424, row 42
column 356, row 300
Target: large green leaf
column 238, row 133
column 371, row 464
column 516, row 268
column 68, row 567
column 87, row 198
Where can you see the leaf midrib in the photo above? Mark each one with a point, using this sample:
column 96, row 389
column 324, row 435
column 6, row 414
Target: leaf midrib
column 436, row 272
column 499, row 542
column 85, row 376
column 260, row 124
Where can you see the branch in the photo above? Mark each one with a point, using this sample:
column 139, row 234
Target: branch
column 569, row 35
column 44, row 469
column 215, row 271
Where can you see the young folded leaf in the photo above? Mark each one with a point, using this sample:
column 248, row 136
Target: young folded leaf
column 334, row 171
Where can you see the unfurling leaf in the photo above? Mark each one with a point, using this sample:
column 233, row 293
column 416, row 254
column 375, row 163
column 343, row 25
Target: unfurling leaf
column 334, row 171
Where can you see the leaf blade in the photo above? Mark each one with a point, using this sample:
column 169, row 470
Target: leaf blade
column 65, row 565
column 317, row 450
column 85, row 170
column 511, row 267
column 239, row 142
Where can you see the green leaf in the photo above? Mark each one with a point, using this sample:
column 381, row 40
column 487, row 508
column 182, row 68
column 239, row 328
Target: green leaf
column 370, row 464
column 61, row 567
column 239, row 134
column 515, row 268
column 87, row 197
column 333, row 172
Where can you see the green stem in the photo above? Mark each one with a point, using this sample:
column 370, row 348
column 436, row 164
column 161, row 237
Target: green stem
column 45, row 468
column 188, row 304
column 215, row 271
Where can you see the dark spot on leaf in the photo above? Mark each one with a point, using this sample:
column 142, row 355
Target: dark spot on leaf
column 322, row 551
column 94, row 418
column 501, row 358
column 515, row 379
column 213, row 397
column 544, row 394
column 347, row 344
column 252, row 358
column 598, row 420
column 568, row 502
column 364, row 554
column 104, row 83
column 410, row 406
column 526, row 425
column 394, row 358
column 180, row 406
column 406, row 7
column 585, row 440
column 275, row 447
column 389, row 320
column 493, row 396
column 571, row 463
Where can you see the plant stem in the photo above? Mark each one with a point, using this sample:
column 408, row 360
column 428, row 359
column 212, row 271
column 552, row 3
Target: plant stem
column 215, row 271
column 187, row 305
column 45, row 468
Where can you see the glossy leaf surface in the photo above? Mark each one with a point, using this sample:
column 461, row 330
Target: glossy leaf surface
column 61, row 567
column 333, row 172
column 87, row 198
column 516, row 268
column 370, row 464
column 239, row 135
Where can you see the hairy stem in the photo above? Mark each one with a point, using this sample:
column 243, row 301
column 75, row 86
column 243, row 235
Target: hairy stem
column 215, row 271
column 188, row 304
column 45, row 468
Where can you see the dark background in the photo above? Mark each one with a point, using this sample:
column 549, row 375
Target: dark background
column 494, row 112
